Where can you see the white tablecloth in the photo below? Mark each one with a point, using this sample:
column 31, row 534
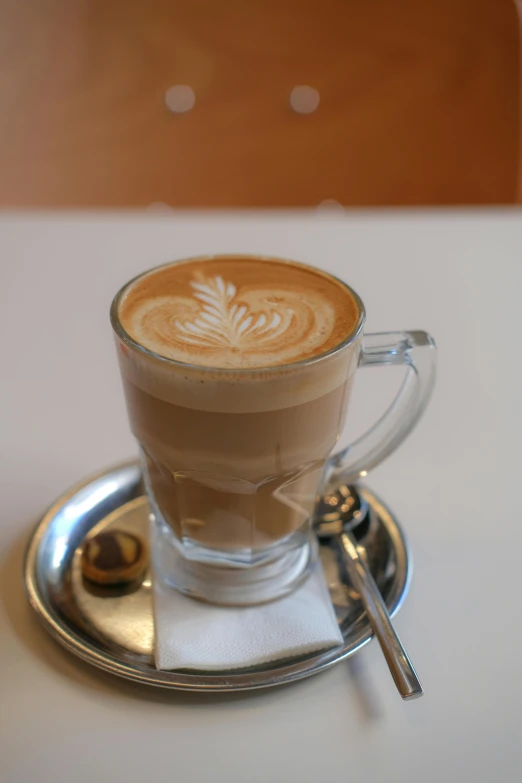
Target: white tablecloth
column 455, row 485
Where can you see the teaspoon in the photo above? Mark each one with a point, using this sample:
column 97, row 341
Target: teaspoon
column 337, row 516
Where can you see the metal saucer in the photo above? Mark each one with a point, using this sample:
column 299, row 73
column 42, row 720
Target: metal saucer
column 113, row 629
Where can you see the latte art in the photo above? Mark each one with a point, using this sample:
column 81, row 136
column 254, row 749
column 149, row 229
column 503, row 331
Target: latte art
column 224, row 323
column 244, row 314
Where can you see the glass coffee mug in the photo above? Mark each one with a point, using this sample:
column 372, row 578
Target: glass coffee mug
column 235, row 458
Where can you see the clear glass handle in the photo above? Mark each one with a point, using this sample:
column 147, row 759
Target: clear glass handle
column 416, row 350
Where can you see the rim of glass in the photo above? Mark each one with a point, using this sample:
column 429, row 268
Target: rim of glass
column 130, row 341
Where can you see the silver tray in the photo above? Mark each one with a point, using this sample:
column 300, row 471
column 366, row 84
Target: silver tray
column 115, row 631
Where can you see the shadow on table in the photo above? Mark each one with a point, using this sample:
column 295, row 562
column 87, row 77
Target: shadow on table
column 41, row 645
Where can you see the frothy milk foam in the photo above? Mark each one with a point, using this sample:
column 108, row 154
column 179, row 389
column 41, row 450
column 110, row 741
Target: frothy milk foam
column 233, row 458
column 237, row 312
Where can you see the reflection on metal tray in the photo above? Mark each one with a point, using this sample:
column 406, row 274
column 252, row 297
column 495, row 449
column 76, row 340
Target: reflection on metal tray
column 115, row 630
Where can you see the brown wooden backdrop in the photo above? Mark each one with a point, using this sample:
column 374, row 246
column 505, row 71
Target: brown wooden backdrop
column 419, row 102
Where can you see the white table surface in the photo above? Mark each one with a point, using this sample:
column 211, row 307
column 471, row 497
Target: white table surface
column 455, row 485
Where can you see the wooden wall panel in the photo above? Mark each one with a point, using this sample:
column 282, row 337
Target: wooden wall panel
column 419, row 102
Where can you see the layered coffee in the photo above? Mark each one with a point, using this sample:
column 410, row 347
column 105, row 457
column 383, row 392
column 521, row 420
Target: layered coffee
column 235, row 392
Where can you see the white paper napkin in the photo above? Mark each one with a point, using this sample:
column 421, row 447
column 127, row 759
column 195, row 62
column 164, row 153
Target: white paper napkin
column 194, row 635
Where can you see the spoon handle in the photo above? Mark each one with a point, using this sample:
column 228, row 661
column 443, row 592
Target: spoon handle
column 400, row 666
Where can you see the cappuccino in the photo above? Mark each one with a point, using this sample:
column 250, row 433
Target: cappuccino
column 236, row 394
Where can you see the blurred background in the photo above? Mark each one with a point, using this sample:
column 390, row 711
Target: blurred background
column 258, row 103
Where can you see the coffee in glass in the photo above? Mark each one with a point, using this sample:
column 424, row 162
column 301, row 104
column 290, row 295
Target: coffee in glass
column 237, row 372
